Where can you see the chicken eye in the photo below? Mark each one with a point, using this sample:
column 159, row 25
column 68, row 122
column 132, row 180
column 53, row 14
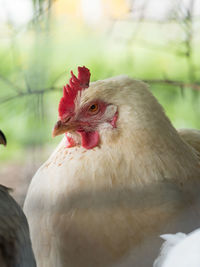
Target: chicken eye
column 94, row 108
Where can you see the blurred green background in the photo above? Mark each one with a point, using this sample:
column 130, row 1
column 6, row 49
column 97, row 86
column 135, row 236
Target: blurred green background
column 41, row 41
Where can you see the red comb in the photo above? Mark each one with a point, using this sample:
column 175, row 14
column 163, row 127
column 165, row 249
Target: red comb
column 70, row 90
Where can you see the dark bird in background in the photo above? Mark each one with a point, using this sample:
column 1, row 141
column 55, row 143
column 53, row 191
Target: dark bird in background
column 2, row 138
column 15, row 243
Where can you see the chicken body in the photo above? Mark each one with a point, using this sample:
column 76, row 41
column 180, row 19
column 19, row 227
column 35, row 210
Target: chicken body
column 107, row 206
column 15, row 244
column 191, row 137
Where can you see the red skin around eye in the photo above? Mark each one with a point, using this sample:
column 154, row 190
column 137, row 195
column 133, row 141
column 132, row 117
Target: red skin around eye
column 87, row 124
column 93, row 115
column 90, row 138
column 88, row 120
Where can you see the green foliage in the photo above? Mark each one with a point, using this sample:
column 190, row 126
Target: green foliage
column 40, row 60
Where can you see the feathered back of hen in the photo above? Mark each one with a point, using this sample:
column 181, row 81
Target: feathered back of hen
column 191, row 137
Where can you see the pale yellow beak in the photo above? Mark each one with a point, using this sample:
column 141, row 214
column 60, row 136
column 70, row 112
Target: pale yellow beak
column 63, row 127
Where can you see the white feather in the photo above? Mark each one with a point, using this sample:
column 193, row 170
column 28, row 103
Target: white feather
column 180, row 250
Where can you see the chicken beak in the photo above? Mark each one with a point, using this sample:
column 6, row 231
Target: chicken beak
column 63, row 127
column 2, row 138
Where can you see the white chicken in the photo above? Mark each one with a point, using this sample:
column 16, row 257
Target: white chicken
column 120, row 177
column 180, row 250
column 15, row 244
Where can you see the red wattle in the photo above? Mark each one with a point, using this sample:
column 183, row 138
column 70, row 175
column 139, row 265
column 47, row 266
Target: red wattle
column 89, row 139
column 69, row 141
